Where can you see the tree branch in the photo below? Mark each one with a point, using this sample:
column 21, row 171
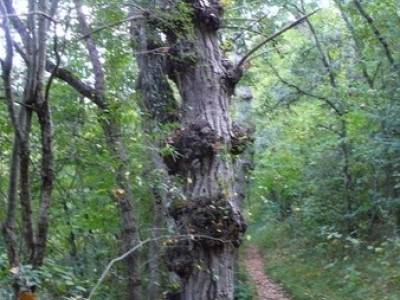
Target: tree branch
column 19, row 25
column 82, row 88
column 376, row 31
column 306, row 93
column 358, row 47
column 275, row 35
column 93, row 53
column 107, row 26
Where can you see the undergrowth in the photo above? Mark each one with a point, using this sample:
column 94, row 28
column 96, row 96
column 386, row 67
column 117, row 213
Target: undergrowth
column 330, row 267
column 244, row 288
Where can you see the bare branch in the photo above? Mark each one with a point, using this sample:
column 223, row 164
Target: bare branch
column 60, row 73
column 275, row 35
column 108, row 26
column 141, row 244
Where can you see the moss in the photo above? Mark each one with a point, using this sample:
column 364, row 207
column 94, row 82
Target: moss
column 177, row 22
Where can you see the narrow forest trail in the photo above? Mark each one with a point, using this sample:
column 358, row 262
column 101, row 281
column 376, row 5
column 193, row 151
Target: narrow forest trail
column 265, row 287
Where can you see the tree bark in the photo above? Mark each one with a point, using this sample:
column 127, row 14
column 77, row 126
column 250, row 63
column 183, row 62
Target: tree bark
column 25, row 182
column 209, row 209
column 47, row 178
column 42, row 109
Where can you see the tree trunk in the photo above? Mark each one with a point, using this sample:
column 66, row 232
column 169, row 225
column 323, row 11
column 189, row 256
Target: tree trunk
column 9, row 225
column 209, row 210
column 24, row 181
column 123, row 195
column 10, row 222
column 243, row 162
column 47, row 178
column 157, row 100
column 123, row 192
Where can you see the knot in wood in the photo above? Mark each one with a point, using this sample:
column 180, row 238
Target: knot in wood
column 231, row 76
column 179, row 258
column 195, row 142
column 212, row 222
column 240, row 138
column 208, row 12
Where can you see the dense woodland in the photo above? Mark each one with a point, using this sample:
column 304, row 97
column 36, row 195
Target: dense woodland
column 145, row 143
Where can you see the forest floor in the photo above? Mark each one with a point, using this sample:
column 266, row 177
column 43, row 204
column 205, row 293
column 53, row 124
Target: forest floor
column 266, row 289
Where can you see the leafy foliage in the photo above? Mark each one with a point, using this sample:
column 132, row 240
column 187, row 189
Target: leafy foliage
column 324, row 198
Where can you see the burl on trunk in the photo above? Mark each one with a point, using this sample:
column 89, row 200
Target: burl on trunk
column 203, row 157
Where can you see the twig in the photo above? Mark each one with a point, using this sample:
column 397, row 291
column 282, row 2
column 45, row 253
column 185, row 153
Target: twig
column 251, row 24
column 141, row 244
column 116, row 23
column 244, row 29
column 306, row 93
column 283, row 30
column 145, row 14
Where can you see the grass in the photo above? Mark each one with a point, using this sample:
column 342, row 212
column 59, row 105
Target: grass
column 335, row 269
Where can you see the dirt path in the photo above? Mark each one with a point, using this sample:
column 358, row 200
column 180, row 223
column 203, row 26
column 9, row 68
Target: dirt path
column 266, row 288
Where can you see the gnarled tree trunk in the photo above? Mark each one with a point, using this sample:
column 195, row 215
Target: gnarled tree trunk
column 209, row 210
